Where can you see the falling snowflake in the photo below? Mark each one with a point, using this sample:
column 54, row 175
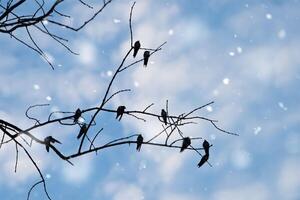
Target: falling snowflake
column 117, row 21
column 269, row 16
column 48, row 176
column 136, row 84
column 213, row 137
column 239, row 50
column 36, row 87
column 281, row 34
column 109, row 73
column 171, row 32
column 226, row 81
column 142, row 165
column 231, row 53
column 257, row 130
column 282, row 106
column 209, row 108
column 45, row 22
column 48, row 98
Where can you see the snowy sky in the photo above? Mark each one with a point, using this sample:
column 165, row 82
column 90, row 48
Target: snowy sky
column 244, row 55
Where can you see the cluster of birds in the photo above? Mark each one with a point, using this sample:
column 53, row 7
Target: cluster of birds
column 146, row 55
column 186, row 141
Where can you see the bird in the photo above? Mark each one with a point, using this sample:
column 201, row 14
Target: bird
column 48, row 140
column 146, row 58
column 82, row 131
column 139, row 142
column 164, row 116
column 120, row 112
column 206, row 147
column 203, row 160
column 136, row 47
column 185, row 143
column 77, row 115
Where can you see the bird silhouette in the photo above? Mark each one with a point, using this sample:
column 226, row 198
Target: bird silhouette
column 185, row 143
column 206, row 147
column 82, row 131
column 139, row 142
column 146, row 58
column 164, row 116
column 203, row 160
column 48, row 140
column 136, row 47
column 120, row 112
column 77, row 115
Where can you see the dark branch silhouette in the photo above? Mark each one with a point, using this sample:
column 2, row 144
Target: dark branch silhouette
column 168, row 137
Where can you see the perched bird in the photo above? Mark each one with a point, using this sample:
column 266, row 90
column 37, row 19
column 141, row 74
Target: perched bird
column 203, row 160
column 185, row 143
column 120, row 112
column 136, row 47
column 77, row 115
column 139, row 142
column 146, row 58
column 164, row 116
column 82, row 131
column 206, row 147
column 48, row 140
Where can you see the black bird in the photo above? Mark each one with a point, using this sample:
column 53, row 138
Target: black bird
column 77, row 115
column 185, row 143
column 146, row 58
column 164, row 116
column 203, row 160
column 82, row 131
column 136, row 47
column 206, row 147
column 139, row 142
column 48, row 140
column 120, row 112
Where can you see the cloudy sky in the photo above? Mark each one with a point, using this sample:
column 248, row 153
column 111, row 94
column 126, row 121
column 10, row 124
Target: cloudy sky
column 244, row 55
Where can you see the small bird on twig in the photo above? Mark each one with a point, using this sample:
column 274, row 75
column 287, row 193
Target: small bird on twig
column 206, row 147
column 48, row 140
column 164, row 115
column 139, row 142
column 120, row 112
column 146, row 58
column 136, row 47
column 77, row 115
column 185, row 143
column 203, row 160
column 82, row 131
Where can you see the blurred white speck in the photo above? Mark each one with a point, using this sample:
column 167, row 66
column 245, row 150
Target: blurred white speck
column 136, row 84
column 59, row 65
column 171, row 32
column 241, row 159
column 152, row 62
column 109, row 73
column 231, row 53
column 282, row 106
column 239, row 50
column 48, row 176
column 246, row 5
column 143, row 165
column 235, row 36
column 213, row 137
column 48, row 98
column 45, row 22
column 256, row 130
column 269, row 16
column 281, row 34
column 94, row 91
column 117, row 21
column 36, row 86
column 117, row 164
column 215, row 92
column 226, row 81
column 81, row 120
column 209, row 108
column 292, row 144
column 49, row 57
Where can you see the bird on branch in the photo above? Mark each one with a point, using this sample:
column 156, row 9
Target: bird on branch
column 146, row 58
column 206, row 147
column 139, row 142
column 185, row 143
column 77, row 115
column 48, row 140
column 82, row 131
column 136, row 47
column 120, row 112
column 164, row 115
column 203, row 160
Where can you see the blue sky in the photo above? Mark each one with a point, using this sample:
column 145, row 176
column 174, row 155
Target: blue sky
column 244, row 55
